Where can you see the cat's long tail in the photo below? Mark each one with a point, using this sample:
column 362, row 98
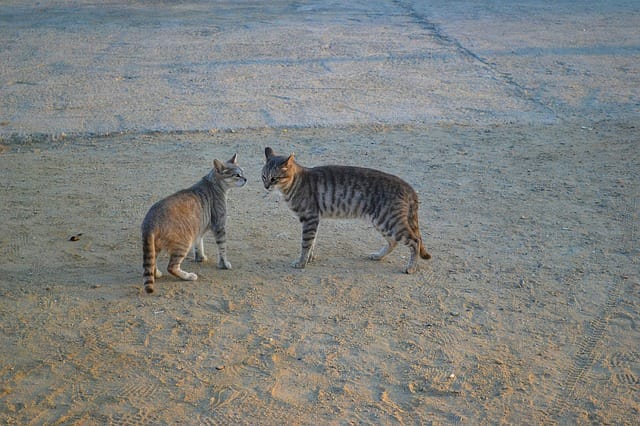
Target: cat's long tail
column 415, row 227
column 423, row 252
column 148, row 261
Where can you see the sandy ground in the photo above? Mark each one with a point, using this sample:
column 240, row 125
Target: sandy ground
column 517, row 125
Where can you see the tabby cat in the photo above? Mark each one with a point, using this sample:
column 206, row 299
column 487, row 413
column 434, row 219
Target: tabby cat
column 387, row 201
column 179, row 222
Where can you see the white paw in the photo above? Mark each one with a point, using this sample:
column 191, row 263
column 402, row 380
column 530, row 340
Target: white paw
column 201, row 258
column 224, row 264
column 375, row 256
column 190, row 276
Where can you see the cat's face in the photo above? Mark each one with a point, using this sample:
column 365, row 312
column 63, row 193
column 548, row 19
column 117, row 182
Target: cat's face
column 278, row 171
column 229, row 173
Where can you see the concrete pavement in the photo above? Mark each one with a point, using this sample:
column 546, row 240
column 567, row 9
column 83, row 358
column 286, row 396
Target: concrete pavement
column 80, row 68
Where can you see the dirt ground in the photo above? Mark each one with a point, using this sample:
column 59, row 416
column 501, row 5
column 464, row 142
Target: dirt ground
column 528, row 311
column 516, row 122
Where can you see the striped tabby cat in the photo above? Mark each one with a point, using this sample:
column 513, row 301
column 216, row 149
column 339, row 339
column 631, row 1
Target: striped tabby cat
column 347, row 192
column 179, row 222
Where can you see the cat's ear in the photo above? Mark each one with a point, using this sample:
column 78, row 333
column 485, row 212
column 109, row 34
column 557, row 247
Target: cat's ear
column 217, row 164
column 234, row 160
column 268, row 152
column 289, row 161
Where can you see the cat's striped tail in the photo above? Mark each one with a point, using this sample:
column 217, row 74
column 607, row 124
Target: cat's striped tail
column 423, row 252
column 415, row 227
column 148, row 261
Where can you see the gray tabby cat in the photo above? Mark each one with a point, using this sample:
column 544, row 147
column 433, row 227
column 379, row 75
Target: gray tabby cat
column 179, row 222
column 387, row 201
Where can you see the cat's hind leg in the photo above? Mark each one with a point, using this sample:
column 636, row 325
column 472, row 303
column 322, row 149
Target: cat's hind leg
column 391, row 244
column 174, row 267
column 412, row 265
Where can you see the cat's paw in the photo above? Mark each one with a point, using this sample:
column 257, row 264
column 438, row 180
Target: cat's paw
column 224, row 264
column 410, row 269
column 201, row 258
column 183, row 275
column 375, row 256
column 158, row 274
column 299, row 265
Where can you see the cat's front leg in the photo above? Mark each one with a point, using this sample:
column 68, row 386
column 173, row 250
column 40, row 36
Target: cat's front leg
column 198, row 250
column 221, row 241
column 223, row 263
column 312, row 251
column 309, row 232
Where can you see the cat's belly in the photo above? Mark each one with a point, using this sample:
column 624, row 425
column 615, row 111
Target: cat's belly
column 343, row 215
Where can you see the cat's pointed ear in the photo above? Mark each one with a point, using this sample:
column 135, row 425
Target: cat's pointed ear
column 289, row 162
column 234, row 160
column 268, row 152
column 217, row 164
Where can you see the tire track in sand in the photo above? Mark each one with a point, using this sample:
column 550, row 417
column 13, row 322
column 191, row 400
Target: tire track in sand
column 597, row 327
